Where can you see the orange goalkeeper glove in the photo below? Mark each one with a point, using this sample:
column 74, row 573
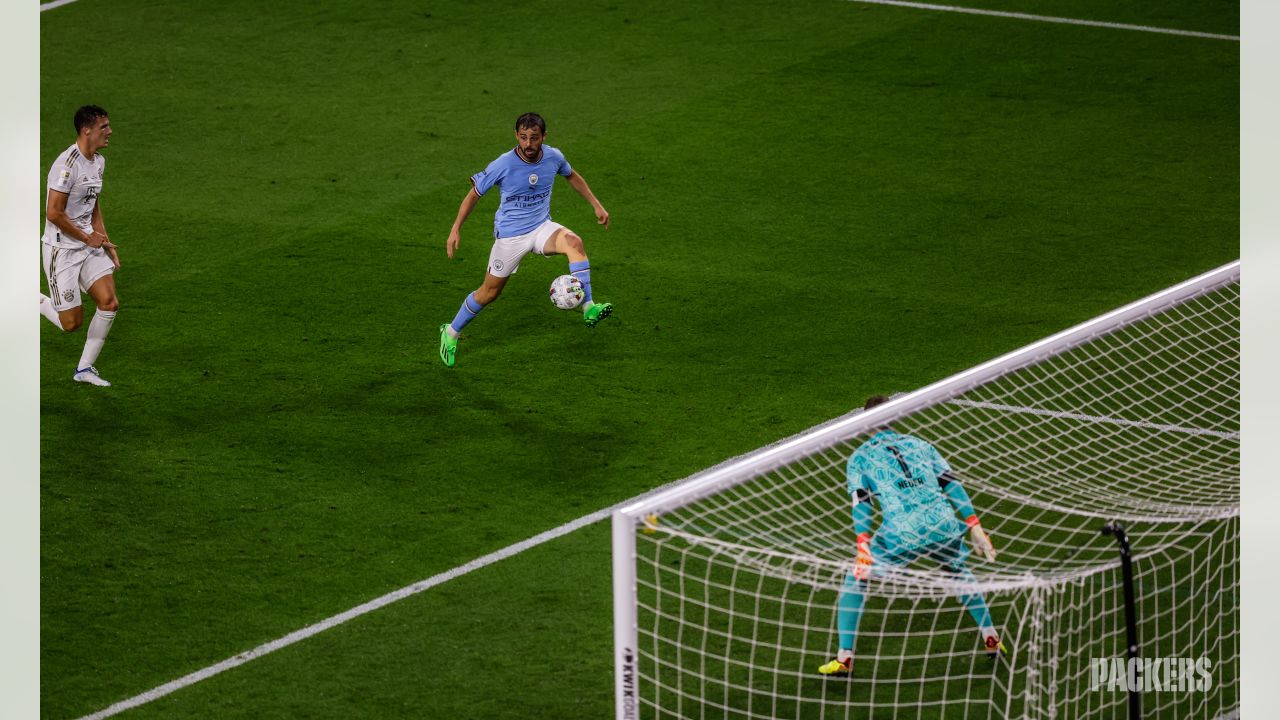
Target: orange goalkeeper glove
column 978, row 537
column 862, row 565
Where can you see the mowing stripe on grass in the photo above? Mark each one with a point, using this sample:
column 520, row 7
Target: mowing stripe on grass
column 1049, row 19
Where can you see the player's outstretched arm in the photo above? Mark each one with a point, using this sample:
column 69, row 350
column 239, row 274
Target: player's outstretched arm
column 862, row 526
column 964, row 506
column 577, row 182
column 455, row 233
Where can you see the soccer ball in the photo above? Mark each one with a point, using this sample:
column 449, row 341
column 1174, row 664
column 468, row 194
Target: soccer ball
column 567, row 292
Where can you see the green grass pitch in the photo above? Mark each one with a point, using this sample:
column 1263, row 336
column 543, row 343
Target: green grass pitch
column 811, row 202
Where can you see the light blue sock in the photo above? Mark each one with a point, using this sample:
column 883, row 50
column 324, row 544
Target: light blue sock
column 582, row 271
column 468, row 312
column 850, row 610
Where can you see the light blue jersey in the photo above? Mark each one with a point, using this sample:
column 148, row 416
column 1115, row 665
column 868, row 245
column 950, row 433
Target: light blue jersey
column 901, row 472
column 526, row 189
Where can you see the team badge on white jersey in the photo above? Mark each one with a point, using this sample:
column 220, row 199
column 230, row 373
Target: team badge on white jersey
column 81, row 180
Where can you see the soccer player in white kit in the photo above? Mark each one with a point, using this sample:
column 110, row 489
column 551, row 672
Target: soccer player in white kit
column 77, row 254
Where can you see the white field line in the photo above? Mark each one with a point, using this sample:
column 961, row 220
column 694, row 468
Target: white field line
column 54, row 4
column 308, row 631
column 355, row 612
column 1049, row 19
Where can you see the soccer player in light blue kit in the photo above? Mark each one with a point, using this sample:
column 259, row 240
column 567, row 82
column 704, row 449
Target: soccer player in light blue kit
column 919, row 498
column 523, row 224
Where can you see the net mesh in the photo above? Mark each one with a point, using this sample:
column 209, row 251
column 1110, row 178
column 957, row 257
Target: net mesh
column 736, row 592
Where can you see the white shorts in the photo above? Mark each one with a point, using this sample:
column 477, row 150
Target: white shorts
column 70, row 271
column 507, row 252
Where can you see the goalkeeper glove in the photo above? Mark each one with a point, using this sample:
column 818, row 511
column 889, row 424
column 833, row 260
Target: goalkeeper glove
column 862, row 565
column 979, row 538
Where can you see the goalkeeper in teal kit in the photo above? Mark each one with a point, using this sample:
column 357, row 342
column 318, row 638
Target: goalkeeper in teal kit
column 919, row 499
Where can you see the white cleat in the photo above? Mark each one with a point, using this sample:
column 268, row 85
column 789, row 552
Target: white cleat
column 90, row 375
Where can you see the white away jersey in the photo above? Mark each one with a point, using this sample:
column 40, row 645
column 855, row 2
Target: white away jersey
column 81, row 180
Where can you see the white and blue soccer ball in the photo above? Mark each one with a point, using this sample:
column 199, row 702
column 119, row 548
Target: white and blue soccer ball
column 567, row 292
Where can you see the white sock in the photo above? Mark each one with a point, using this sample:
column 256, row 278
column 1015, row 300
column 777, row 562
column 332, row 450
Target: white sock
column 99, row 326
column 452, row 333
column 844, row 655
column 46, row 309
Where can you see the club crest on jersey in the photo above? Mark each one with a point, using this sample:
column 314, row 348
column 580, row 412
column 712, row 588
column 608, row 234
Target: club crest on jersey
column 533, row 178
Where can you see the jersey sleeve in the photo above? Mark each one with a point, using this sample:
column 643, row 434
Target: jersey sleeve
column 562, row 165
column 61, row 177
column 854, row 475
column 939, row 465
column 487, row 178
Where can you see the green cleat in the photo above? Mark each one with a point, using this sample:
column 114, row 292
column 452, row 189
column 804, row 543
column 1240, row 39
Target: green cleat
column 448, row 346
column 596, row 313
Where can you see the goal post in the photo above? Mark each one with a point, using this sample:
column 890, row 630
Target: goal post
column 725, row 585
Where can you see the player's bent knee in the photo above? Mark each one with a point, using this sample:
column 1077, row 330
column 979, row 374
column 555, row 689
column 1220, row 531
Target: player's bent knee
column 70, row 323
column 111, row 305
column 573, row 242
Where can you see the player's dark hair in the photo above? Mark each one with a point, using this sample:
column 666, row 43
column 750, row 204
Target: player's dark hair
column 531, row 120
column 875, row 400
column 87, row 114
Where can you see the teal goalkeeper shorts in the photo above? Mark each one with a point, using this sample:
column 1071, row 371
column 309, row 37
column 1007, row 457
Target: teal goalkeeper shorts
column 950, row 552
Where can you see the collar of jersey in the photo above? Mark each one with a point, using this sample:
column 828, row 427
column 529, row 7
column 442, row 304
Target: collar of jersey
column 520, row 155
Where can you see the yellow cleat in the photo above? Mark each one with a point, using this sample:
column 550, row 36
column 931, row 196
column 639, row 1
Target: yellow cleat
column 837, row 668
column 650, row 524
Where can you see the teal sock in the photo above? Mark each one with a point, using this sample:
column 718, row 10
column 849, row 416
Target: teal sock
column 850, row 610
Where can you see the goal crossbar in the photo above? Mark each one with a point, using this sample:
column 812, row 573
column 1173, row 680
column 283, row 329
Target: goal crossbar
column 702, row 484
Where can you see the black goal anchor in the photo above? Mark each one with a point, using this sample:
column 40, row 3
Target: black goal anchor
column 1130, row 614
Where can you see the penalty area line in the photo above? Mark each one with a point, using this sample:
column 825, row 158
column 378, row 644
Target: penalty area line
column 355, row 612
column 54, row 4
column 1049, row 19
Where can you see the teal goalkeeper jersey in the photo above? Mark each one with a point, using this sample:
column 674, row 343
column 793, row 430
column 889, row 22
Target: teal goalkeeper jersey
column 901, row 472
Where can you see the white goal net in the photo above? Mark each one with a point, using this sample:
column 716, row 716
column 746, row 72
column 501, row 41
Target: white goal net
column 729, row 588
